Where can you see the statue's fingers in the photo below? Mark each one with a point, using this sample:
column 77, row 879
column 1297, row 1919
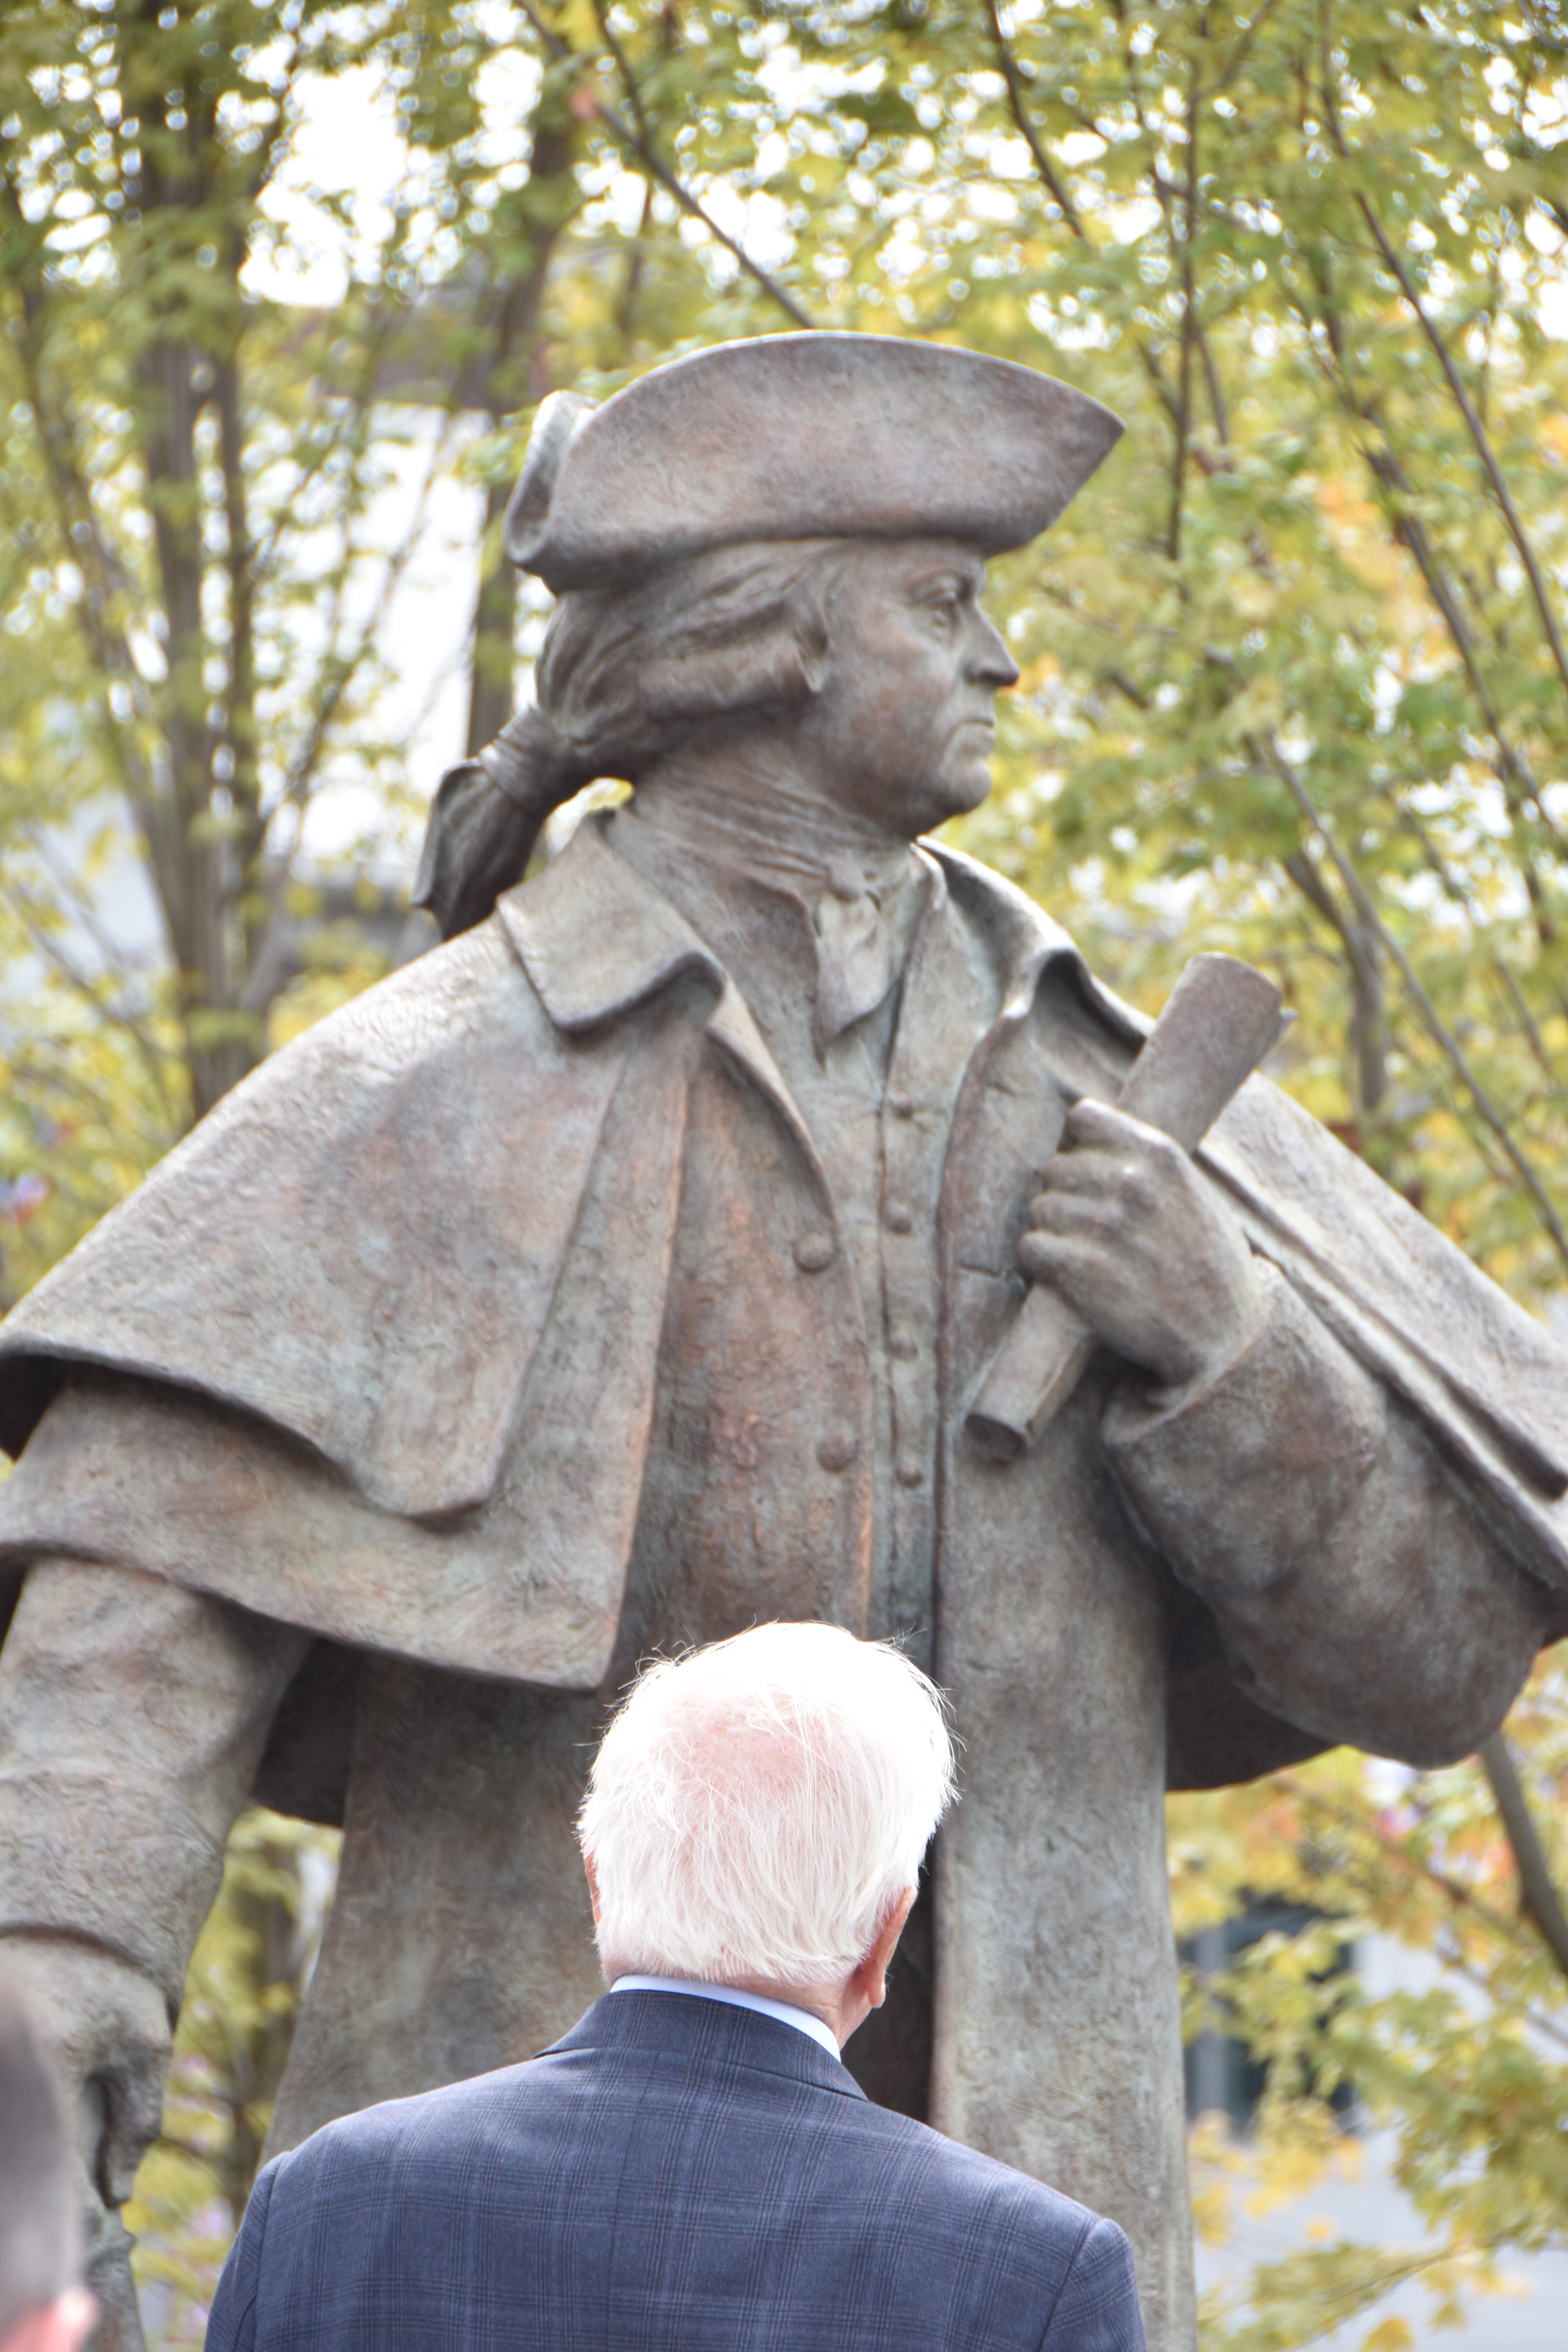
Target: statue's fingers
column 1091, row 1123
column 1094, row 1126
column 1074, row 1210
column 1042, row 1257
column 1086, row 1173
column 1066, row 1257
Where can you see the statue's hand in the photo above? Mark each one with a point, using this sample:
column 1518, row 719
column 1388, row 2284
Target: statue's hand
column 105, row 2030
column 1126, row 1230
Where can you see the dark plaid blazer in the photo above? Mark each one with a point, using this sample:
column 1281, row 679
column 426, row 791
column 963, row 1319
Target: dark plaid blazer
column 676, row 2173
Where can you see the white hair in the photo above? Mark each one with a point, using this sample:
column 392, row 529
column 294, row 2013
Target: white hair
column 758, row 1807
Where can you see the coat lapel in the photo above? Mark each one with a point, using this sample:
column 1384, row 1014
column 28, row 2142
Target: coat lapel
column 597, row 941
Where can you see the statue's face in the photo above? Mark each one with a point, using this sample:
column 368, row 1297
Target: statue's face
column 904, row 725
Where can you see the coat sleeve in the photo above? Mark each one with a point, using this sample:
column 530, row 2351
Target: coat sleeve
column 1097, row 2310
column 133, row 1715
column 1360, row 1587
column 232, row 2324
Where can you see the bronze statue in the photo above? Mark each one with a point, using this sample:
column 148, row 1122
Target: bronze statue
column 623, row 1272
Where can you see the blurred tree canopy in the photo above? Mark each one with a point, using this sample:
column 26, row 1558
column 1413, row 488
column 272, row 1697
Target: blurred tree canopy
column 1295, row 677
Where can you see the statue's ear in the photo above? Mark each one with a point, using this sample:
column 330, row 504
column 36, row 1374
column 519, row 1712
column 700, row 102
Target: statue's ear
column 748, row 675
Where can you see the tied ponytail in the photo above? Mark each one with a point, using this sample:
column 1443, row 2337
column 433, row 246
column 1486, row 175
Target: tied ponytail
column 486, row 815
column 624, row 674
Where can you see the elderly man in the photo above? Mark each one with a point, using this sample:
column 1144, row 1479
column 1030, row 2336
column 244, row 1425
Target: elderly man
column 623, row 1272
column 691, row 2164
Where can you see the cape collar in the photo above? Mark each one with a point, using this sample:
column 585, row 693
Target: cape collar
column 596, row 939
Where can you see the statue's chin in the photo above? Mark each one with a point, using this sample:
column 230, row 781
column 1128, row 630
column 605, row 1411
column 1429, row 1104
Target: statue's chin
column 945, row 797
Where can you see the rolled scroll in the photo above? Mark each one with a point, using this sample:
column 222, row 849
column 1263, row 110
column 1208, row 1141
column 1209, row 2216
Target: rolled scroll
column 1221, row 1020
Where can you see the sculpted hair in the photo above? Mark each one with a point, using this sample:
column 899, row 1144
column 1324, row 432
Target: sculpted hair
column 757, row 1807
column 40, row 2218
column 624, row 673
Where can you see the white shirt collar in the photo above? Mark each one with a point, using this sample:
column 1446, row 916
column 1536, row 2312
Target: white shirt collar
column 766, row 2006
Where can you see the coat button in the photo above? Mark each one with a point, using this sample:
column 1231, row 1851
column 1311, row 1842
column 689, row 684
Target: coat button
column 897, row 1217
column 839, row 1449
column 813, row 1251
column 909, row 1472
column 903, row 1105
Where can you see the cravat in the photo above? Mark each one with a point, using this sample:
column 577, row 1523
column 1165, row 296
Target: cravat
column 851, row 882
column 856, row 952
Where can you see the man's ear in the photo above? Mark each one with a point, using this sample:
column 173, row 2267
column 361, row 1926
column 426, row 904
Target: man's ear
column 873, row 1969
column 592, row 1877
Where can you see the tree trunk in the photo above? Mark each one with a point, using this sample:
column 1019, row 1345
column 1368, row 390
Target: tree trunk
column 512, row 350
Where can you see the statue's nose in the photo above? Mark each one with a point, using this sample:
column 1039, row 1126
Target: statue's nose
column 990, row 661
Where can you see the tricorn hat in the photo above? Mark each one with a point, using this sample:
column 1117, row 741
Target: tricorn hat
column 800, row 436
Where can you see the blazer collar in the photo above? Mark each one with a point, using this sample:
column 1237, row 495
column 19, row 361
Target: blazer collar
column 678, row 2024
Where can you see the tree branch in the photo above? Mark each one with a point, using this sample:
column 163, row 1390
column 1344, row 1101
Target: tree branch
column 49, row 950
column 634, row 142
column 1055, row 188
column 1461, row 1896
column 337, row 674
column 1431, row 1019
column 1476, row 430
column 1540, row 1893
column 1008, row 67
column 1395, row 491
column 1189, row 298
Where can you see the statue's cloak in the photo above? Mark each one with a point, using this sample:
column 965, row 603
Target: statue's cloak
column 417, row 1261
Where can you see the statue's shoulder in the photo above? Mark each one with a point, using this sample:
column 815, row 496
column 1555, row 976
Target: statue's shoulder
column 1026, row 942
column 992, row 899
column 365, row 1182
column 430, row 1010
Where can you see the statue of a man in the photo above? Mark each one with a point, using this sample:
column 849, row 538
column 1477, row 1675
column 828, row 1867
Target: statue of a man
column 621, row 1272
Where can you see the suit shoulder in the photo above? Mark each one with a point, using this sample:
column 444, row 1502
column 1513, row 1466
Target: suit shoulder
column 974, row 2189
column 1002, row 2258
column 464, row 2116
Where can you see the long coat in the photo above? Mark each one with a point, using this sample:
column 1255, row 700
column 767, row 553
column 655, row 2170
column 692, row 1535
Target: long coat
column 507, row 1324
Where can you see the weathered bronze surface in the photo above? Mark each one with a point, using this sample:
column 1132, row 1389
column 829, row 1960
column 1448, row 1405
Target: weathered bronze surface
column 1221, row 1020
column 626, row 1270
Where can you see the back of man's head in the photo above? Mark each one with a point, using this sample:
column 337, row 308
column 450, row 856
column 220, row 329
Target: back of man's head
column 758, row 1807
column 40, row 2221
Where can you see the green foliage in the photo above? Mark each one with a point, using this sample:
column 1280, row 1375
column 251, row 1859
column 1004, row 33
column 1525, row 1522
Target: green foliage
column 243, row 1991
column 1470, row 2074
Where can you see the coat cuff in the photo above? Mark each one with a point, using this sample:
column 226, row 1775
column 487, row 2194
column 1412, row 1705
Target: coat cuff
column 1241, row 1479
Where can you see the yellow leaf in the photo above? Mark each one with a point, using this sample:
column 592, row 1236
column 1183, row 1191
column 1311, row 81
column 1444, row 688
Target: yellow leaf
column 1211, row 2214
